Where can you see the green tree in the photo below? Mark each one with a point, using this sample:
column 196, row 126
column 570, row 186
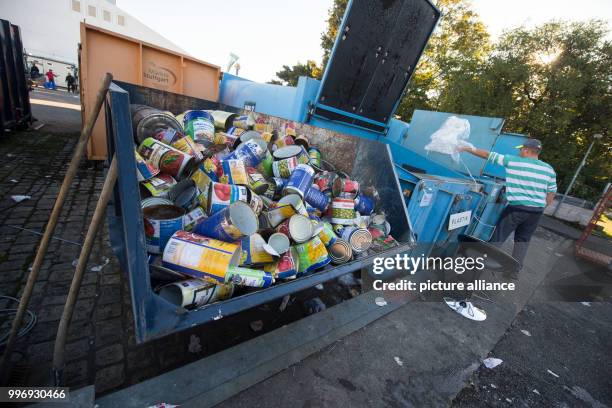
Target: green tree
column 551, row 82
column 290, row 75
column 334, row 19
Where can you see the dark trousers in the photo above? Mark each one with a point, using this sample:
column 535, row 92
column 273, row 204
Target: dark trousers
column 523, row 221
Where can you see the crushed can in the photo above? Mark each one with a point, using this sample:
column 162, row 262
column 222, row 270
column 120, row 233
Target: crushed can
column 184, row 194
column 253, row 252
column 230, row 224
column 325, row 180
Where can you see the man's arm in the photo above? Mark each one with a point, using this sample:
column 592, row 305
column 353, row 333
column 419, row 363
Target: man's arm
column 550, row 197
column 476, row 152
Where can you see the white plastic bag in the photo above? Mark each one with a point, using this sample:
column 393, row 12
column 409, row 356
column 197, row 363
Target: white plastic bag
column 453, row 133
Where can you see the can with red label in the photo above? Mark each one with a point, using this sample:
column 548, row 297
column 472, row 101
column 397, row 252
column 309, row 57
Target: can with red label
column 168, row 136
column 286, row 267
column 220, row 196
column 325, row 180
column 345, row 188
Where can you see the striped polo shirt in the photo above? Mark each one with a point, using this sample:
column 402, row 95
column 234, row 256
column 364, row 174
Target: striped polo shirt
column 527, row 180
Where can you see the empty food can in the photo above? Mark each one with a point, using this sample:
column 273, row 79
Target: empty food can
column 193, row 293
column 160, row 222
column 230, row 224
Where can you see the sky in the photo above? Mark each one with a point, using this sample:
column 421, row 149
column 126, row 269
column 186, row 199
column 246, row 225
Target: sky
column 268, row 34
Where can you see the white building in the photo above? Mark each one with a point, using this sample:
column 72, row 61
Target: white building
column 50, row 29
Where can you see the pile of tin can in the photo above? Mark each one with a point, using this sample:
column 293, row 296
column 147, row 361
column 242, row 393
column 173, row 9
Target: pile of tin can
column 230, row 200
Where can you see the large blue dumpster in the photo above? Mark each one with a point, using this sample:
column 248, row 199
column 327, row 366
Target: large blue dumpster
column 368, row 162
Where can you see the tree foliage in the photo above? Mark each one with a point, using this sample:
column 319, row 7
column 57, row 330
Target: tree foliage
column 290, row 75
column 552, row 82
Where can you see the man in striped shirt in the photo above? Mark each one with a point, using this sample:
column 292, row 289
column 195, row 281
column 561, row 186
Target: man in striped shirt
column 530, row 186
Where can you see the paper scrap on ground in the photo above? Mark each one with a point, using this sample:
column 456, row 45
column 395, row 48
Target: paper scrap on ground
column 98, row 268
column 20, row 198
column 588, row 304
column 526, row 333
column 398, row 361
column 492, row 362
column 554, row 374
column 380, row 301
column 13, row 181
column 319, row 286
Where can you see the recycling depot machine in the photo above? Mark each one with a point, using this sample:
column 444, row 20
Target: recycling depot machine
column 429, row 200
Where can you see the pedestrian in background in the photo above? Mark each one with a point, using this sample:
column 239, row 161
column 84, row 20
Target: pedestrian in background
column 71, row 81
column 51, row 79
column 34, row 72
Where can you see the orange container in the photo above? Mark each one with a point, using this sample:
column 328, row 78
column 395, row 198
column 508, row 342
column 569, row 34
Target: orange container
column 131, row 60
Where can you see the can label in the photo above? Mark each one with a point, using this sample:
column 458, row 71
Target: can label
column 197, row 292
column 278, row 214
column 168, row 136
column 283, row 168
column 314, row 155
column 265, row 167
column 286, row 267
column 346, row 188
column 188, row 146
column 199, row 256
column 153, row 150
column 275, row 187
column 325, row 180
column 244, row 122
column 144, row 169
column 364, row 204
column 300, row 180
column 201, row 179
column 256, row 203
column 327, row 234
column 343, row 211
column 234, row 172
column 175, row 163
column 283, row 141
column 250, row 152
column 222, row 195
column 193, row 217
column 158, row 232
column 253, row 252
column 316, row 198
column 160, row 186
column 256, row 180
column 249, row 277
column 200, row 126
column 312, row 256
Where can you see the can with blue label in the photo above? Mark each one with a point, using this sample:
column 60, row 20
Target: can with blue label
column 234, row 172
column 161, row 221
column 316, row 198
column 252, row 152
column 364, row 204
column 200, row 126
column 230, row 224
column 144, row 169
column 300, row 180
column 275, row 186
column 249, row 277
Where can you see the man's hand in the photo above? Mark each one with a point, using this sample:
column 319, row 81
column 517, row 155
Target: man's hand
column 465, row 149
column 483, row 154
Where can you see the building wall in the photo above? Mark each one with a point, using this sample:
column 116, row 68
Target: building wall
column 50, row 28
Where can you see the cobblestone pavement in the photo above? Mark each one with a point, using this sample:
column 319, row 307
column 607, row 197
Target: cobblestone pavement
column 101, row 349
